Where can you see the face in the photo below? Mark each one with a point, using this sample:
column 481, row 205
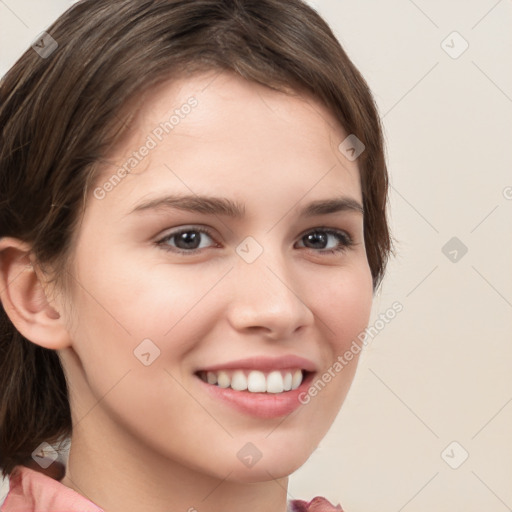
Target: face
column 257, row 281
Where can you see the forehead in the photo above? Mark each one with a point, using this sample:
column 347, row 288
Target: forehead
column 216, row 133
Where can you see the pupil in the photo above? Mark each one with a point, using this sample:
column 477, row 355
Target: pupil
column 316, row 237
column 189, row 238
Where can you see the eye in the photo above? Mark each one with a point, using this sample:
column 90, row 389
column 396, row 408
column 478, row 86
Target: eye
column 186, row 240
column 189, row 240
column 321, row 240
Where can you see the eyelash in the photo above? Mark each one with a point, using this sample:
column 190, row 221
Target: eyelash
column 345, row 240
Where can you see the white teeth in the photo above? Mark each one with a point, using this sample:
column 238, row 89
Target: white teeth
column 275, row 382
column 297, row 379
column 287, row 381
column 223, row 380
column 255, row 381
column 239, row 381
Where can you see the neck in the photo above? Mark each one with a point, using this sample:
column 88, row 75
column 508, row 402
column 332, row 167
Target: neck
column 124, row 481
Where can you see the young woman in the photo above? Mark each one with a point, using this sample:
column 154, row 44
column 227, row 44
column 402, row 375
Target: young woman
column 192, row 227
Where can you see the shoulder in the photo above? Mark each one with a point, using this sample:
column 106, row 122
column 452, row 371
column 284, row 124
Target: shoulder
column 317, row 504
column 31, row 490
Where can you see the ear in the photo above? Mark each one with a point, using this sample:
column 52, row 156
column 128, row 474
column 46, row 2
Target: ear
column 24, row 300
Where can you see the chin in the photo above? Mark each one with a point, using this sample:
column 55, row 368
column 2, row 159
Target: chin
column 268, row 468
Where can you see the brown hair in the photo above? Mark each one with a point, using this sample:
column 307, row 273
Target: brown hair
column 61, row 112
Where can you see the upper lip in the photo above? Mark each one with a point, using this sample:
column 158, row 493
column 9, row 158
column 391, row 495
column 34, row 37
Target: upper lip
column 265, row 363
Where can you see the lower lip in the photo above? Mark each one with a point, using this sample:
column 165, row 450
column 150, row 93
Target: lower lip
column 261, row 405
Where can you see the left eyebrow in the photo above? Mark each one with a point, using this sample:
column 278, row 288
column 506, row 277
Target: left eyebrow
column 326, row 206
column 229, row 208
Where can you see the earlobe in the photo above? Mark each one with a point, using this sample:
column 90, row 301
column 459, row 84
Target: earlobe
column 24, row 300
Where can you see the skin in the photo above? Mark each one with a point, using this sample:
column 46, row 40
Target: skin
column 146, row 437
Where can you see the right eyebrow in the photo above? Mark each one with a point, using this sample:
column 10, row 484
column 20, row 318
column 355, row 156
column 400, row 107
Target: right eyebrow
column 227, row 207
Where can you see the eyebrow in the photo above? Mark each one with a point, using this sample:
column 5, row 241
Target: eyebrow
column 236, row 210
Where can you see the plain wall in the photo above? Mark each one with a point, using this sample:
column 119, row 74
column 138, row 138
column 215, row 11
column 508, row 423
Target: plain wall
column 440, row 371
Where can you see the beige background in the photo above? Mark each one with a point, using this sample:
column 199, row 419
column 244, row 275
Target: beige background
column 440, row 370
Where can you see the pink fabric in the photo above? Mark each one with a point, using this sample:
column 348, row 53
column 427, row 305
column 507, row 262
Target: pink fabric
column 317, row 504
column 32, row 491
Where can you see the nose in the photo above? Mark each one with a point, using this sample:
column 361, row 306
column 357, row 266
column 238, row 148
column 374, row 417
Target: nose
column 265, row 300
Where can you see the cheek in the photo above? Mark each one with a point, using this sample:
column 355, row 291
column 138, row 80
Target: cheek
column 342, row 309
column 147, row 298
column 344, row 305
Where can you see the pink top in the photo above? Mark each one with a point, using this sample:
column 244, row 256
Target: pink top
column 32, row 491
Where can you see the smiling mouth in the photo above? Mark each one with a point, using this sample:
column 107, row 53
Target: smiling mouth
column 256, row 381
